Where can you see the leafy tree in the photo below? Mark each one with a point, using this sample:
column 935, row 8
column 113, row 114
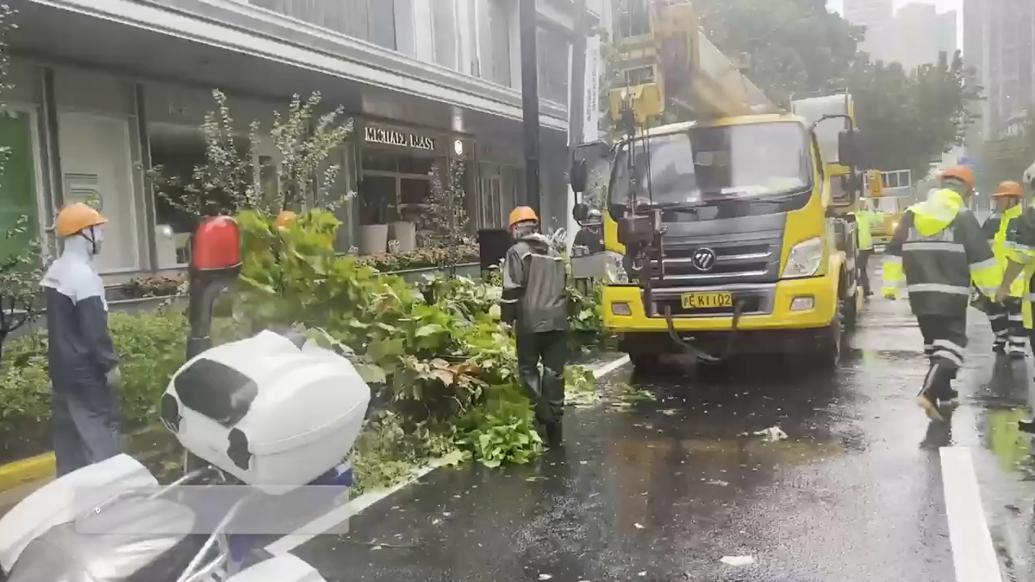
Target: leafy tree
column 795, row 48
column 446, row 220
column 229, row 182
column 791, row 47
column 20, row 270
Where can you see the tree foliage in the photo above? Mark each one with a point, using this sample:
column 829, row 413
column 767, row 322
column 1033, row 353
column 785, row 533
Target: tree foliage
column 797, row 48
column 229, row 181
column 20, row 263
column 445, row 224
column 791, row 47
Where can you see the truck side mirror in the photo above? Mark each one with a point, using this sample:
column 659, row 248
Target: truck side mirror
column 848, row 148
column 579, row 176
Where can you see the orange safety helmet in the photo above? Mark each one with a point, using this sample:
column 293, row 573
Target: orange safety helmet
column 285, row 220
column 1009, row 189
column 961, row 173
column 76, row 218
column 522, row 214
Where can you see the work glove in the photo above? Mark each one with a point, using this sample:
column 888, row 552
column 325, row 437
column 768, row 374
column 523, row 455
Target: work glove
column 114, row 378
column 890, row 293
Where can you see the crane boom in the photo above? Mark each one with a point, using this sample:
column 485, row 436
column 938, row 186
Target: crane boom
column 674, row 67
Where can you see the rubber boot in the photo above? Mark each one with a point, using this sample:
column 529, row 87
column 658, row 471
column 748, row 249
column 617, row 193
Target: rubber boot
column 938, row 377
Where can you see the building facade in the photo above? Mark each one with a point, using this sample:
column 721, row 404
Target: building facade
column 876, row 16
column 1000, row 43
column 105, row 91
column 920, row 34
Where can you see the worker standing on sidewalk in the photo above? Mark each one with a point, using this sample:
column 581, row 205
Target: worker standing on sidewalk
column 936, row 252
column 1006, row 315
column 865, row 218
column 535, row 302
column 84, row 370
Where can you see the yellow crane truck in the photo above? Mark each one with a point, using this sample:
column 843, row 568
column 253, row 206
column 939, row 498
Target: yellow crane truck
column 725, row 234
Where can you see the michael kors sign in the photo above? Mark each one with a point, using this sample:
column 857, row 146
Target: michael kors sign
column 393, row 137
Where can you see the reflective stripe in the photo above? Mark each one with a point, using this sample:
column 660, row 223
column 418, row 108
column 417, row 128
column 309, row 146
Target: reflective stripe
column 997, row 316
column 986, row 264
column 893, row 259
column 509, row 300
column 948, row 345
column 938, row 288
column 1016, row 246
column 947, row 355
column 950, row 247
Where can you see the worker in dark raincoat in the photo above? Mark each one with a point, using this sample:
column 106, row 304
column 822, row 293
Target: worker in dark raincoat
column 535, row 301
column 937, row 254
column 84, row 369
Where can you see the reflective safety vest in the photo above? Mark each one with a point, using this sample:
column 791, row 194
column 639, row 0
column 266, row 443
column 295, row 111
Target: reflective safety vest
column 1020, row 248
column 864, row 220
column 937, row 251
column 999, row 245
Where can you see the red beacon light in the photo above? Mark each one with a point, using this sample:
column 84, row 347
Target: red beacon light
column 215, row 264
column 216, row 245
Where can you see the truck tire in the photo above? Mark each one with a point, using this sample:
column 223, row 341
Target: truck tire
column 829, row 353
column 645, row 363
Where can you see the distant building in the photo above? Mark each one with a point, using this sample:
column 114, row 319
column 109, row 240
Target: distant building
column 918, row 35
column 999, row 37
column 876, row 16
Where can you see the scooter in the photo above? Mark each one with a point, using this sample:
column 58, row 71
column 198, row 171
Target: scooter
column 268, row 420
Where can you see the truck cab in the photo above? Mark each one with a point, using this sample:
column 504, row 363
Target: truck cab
column 751, row 257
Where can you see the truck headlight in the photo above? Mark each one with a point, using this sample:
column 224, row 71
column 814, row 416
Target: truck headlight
column 805, row 259
column 615, row 268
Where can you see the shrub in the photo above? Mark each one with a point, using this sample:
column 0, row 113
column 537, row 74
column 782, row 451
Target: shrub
column 152, row 286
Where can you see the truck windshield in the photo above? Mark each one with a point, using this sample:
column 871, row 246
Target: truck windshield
column 707, row 166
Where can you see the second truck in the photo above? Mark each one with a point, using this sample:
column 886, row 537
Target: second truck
column 727, row 234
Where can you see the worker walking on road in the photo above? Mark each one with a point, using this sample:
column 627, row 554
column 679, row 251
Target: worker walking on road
column 84, row 370
column 535, row 302
column 937, row 250
column 1006, row 315
column 1020, row 254
column 865, row 218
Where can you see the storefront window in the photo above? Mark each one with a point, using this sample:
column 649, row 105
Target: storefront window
column 17, row 181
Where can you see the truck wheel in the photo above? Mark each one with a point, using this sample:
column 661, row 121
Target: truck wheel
column 830, row 348
column 645, row 363
column 851, row 312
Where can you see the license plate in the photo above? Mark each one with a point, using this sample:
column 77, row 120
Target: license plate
column 707, row 300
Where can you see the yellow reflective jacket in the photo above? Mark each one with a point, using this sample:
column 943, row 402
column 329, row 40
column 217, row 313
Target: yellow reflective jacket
column 999, row 247
column 864, row 220
column 937, row 252
column 1020, row 248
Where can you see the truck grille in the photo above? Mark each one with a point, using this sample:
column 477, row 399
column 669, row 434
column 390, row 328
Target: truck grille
column 735, row 262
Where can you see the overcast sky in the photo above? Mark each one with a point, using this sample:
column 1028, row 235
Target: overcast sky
column 942, row 4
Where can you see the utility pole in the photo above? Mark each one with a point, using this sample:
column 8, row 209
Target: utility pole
column 577, row 100
column 530, row 101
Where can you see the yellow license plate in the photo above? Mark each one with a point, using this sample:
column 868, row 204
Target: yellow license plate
column 707, row 300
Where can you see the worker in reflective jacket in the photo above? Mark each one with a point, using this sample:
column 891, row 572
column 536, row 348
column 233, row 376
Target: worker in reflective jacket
column 1020, row 253
column 936, row 252
column 535, row 301
column 1006, row 315
column 84, row 370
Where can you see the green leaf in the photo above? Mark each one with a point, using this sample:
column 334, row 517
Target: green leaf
column 429, row 330
column 372, row 373
column 383, row 349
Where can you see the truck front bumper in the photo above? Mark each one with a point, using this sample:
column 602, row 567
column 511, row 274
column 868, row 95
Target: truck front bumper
column 796, row 304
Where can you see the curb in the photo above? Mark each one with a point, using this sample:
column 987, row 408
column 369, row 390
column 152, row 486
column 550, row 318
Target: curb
column 18, row 473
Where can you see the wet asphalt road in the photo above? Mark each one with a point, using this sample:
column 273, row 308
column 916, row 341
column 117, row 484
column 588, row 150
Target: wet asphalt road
column 665, row 488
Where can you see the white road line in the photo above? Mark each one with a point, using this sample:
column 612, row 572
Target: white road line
column 341, row 514
column 973, row 554
column 606, row 369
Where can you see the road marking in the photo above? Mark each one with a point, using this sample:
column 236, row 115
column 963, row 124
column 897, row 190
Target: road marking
column 973, row 554
column 601, row 371
column 342, row 513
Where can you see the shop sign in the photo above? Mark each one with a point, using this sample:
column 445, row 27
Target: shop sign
column 392, row 137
